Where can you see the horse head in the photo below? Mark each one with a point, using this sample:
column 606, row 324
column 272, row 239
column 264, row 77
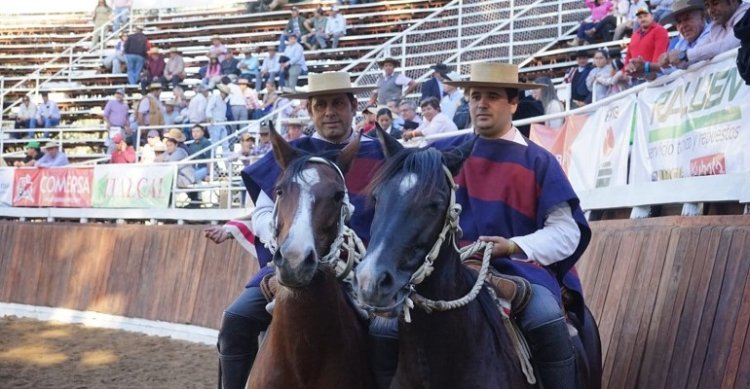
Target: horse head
column 311, row 207
column 413, row 195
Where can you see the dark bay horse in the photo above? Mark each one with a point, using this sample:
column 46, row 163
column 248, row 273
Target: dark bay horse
column 316, row 339
column 466, row 347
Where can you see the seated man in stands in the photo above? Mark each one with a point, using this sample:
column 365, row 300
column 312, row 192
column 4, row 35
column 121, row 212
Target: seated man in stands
column 725, row 15
column 48, row 114
column 171, row 113
column 122, row 152
column 26, row 117
column 452, row 96
column 580, row 94
column 53, row 157
column 317, row 26
column 408, row 111
column 264, row 145
column 116, row 59
column 154, row 69
column 649, row 42
column 116, row 113
column 336, row 27
column 33, row 154
column 174, row 71
column 295, row 66
column 247, row 144
column 230, row 64
column 249, row 68
column 434, row 122
column 391, row 84
column 295, row 26
column 271, row 66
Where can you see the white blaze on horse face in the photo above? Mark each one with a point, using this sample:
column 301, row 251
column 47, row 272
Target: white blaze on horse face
column 367, row 275
column 407, row 183
column 307, row 178
column 301, row 240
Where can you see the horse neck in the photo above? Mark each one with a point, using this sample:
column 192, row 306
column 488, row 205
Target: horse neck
column 446, row 281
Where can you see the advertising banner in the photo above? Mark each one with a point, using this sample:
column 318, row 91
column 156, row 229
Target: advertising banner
column 697, row 125
column 6, row 187
column 558, row 140
column 132, row 186
column 53, row 187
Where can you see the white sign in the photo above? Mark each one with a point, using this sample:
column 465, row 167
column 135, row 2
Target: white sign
column 6, row 186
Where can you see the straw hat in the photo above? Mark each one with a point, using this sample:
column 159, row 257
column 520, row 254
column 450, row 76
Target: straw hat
column 390, row 60
column 682, row 6
column 153, row 50
column 159, row 146
column 51, row 145
column 327, row 84
column 154, row 85
column 294, row 121
column 494, row 75
column 215, row 37
column 175, row 134
column 223, row 89
column 174, row 50
column 243, row 81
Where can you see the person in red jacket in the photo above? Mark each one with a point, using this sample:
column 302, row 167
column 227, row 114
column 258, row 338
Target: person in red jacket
column 122, row 153
column 648, row 42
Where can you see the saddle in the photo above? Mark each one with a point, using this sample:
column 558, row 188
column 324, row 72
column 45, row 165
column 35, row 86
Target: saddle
column 515, row 290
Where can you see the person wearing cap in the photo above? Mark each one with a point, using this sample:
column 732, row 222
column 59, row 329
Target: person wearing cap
column 295, row 66
column 725, row 15
column 433, row 87
column 174, row 71
column 136, row 48
column 538, row 240
column 116, row 112
column 368, row 119
column 26, row 116
column 148, row 151
column 217, row 48
column 294, row 26
column 53, row 156
column 452, row 96
column 264, row 143
column 249, row 68
column 216, row 112
column 391, row 84
column 335, row 27
column 101, row 16
column 122, row 151
column 150, row 109
column 48, row 114
column 230, row 63
column 154, row 69
column 580, row 95
column 245, row 154
column 271, row 66
column 122, row 13
column 33, row 154
column 294, row 128
column 434, row 121
column 332, row 107
column 174, row 142
column 649, row 41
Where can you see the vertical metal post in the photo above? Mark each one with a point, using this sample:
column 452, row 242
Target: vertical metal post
column 559, row 18
column 511, row 31
column 403, row 54
column 460, row 34
column 70, row 62
column 2, row 109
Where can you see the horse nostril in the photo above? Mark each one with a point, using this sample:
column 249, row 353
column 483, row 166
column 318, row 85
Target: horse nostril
column 385, row 281
column 278, row 259
column 310, row 259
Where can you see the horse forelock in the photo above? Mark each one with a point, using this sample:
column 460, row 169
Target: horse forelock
column 423, row 175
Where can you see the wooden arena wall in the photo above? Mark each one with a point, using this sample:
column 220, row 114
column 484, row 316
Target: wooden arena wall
column 170, row 273
column 672, row 299
column 671, row 295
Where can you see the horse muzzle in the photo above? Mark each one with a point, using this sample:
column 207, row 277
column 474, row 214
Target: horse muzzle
column 295, row 272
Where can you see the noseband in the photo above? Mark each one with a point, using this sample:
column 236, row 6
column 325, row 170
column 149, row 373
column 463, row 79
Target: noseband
column 346, row 237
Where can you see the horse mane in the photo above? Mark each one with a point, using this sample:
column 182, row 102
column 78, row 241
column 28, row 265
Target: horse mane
column 298, row 164
column 426, row 163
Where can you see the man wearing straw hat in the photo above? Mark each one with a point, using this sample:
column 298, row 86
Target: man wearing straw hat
column 150, row 109
column 174, row 71
column 52, row 157
column 515, row 194
column 332, row 107
column 391, row 84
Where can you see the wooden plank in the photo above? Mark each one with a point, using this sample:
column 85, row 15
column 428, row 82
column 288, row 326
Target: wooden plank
column 733, row 368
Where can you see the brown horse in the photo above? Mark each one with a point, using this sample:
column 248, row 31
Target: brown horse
column 466, row 347
column 316, row 339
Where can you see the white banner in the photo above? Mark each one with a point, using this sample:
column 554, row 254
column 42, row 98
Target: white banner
column 132, row 186
column 599, row 153
column 6, row 186
column 698, row 125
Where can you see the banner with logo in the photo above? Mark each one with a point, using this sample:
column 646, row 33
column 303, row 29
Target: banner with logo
column 599, row 154
column 53, row 187
column 697, row 125
column 6, row 186
column 558, row 140
column 132, row 186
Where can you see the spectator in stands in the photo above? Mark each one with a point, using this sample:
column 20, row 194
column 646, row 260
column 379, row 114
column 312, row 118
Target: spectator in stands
column 159, row 150
column 452, row 96
column 216, row 112
column 174, row 141
column 547, row 95
column 230, row 64
column 249, row 68
column 462, row 117
column 250, row 96
column 171, row 113
column 150, row 110
column 269, row 100
column 247, row 143
column 122, row 152
column 384, row 120
column 52, row 157
column 197, row 106
column 433, row 87
column 115, row 60
column 398, row 121
column 295, row 66
column 335, row 27
column 293, row 129
column 271, row 66
column 174, row 71
column 154, row 69
column 618, row 80
column 236, row 102
column 48, row 114
column 200, row 142
column 369, row 119
column 135, row 54
column 26, row 116
column 217, row 48
column 33, row 154
column 602, row 22
column 725, row 15
column 101, row 16
column 596, row 80
column 434, row 122
column 116, row 113
column 391, row 84
column 264, row 144
column 122, row 13
column 213, row 71
column 630, row 21
column 412, row 120
column 528, row 107
column 661, row 8
column 148, row 151
column 316, row 38
column 178, row 95
column 648, row 42
column 295, row 26
column 579, row 93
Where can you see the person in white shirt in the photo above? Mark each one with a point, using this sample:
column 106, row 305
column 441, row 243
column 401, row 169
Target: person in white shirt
column 271, row 66
column 48, row 114
column 434, row 122
column 197, row 106
column 237, row 103
column 335, row 27
column 26, row 116
column 216, row 112
column 451, row 98
column 295, row 66
column 725, row 14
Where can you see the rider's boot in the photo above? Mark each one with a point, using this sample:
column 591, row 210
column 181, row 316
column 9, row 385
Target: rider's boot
column 553, row 352
column 383, row 350
column 238, row 344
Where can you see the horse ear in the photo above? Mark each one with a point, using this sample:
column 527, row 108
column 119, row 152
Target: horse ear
column 455, row 158
column 283, row 152
column 391, row 145
column 348, row 153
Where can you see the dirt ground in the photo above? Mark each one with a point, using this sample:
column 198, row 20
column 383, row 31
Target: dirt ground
column 36, row 354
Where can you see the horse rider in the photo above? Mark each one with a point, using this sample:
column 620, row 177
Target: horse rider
column 514, row 193
column 332, row 106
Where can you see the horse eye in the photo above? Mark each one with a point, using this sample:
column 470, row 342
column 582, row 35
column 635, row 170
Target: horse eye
column 339, row 196
column 434, row 205
column 279, row 192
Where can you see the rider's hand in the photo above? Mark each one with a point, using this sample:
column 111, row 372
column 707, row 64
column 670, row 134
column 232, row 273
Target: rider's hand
column 217, row 234
column 503, row 247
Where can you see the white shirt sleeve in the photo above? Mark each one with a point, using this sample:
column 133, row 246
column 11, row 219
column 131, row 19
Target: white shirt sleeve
column 557, row 240
column 402, row 80
column 262, row 219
